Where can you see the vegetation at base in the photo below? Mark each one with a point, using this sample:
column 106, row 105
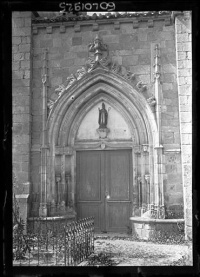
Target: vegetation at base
column 101, row 259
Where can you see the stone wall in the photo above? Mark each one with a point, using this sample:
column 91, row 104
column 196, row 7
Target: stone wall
column 184, row 72
column 21, row 89
column 130, row 46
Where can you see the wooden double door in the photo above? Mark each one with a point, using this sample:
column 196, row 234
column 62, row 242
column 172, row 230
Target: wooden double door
column 104, row 183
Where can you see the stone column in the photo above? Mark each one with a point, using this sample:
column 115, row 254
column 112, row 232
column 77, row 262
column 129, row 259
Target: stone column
column 184, row 76
column 158, row 149
column 44, row 147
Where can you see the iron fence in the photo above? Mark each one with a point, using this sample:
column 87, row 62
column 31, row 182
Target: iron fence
column 47, row 244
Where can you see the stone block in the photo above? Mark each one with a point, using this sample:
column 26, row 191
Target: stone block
column 145, row 79
column 48, row 43
column 169, row 68
column 15, row 65
column 21, row 90
column 167, row 86
column 185, row 90
column 140, row 69
column 27, row 74
column 184, row 46
column 78, row 48
column 185, row 64
column 57, row 42
column 170, row 95
column 20, row 118
column 21, row 100
column 185, row 72
column 177, row 139
column 15, row 49
column 22, row 31
column 18, row 22
column 182, row 37
column 187, row 158
column 130, row 60
column 186, row 139
column 17, row 74
column 166, row 35
column 24, row 48
column 23, row 176
column 82, row 55
column 25, row 166
column 142, row 36
column 17, row 129
column 21, row 14
column 21, row 109
column 186, row 128
column 124, row 52
column 168, row 46
column 181, row 81
column 56, row 81
column 188, row 217
column 168, row 137
column 16, row 40
column 25, row 64
column 79, row 61
column 185, row 100
column 186, row 117
column 126, row 28
column 188, row 81
column 77, row 41
column 152, row 36
column 144, row 59
column 188, row 232
column 188, row 55
column 168, row 77
column 181, row 55
column 117, row 59
column 27, row 22
column 185, row 108
column 18, row 56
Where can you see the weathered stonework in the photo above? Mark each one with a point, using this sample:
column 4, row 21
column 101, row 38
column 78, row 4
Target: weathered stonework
column 21, row 89
column 143, row 71
column 184, row 76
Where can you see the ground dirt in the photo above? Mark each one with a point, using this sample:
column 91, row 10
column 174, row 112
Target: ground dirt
column 122, row 251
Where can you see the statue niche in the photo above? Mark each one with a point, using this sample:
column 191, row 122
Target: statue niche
column 103, row 120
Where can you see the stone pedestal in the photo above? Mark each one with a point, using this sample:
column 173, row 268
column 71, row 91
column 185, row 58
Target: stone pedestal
column 152, row 229
column 22, row 200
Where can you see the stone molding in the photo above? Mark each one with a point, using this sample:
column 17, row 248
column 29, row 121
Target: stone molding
column 136, row 17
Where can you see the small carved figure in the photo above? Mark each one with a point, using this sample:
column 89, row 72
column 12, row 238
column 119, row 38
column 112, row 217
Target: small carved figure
column 97, row 47
column 103, row 117
column 80, row 72
column 70, row 80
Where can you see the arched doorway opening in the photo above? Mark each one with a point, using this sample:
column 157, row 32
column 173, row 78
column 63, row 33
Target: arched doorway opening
column 130, row 140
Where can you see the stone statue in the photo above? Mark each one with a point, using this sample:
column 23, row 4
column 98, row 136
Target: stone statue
column 103, row 117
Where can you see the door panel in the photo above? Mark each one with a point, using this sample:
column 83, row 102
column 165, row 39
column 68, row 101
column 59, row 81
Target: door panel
column 101, row 173
column 118, row 216
column 89, row 170
column 117, row 180
column 117, row 174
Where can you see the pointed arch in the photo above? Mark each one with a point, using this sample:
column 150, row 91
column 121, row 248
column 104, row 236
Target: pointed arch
column 65, row 116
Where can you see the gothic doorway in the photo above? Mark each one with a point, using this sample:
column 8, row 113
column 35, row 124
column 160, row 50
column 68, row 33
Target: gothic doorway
column 104, row 185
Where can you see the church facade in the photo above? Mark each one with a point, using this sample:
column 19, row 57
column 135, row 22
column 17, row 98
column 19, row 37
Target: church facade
column 102, row 118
